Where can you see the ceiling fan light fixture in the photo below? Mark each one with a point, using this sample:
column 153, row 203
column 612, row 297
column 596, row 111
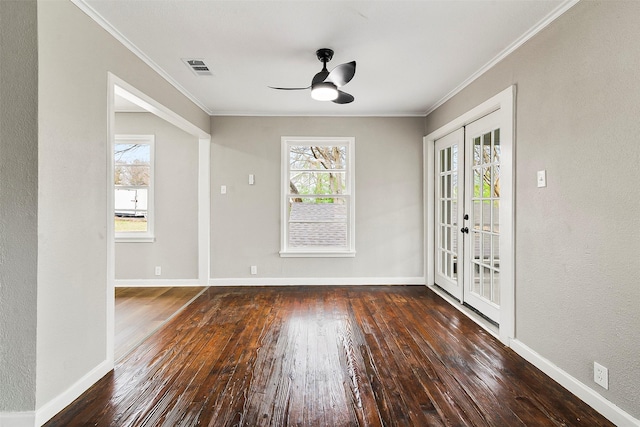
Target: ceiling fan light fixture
column 324, row 91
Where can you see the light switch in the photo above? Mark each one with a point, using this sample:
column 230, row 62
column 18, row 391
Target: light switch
column 542, row 178
column 223, row 189
column 252, row 179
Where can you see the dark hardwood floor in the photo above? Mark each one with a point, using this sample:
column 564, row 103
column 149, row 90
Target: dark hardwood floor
column 141, row 310
column 324, row 356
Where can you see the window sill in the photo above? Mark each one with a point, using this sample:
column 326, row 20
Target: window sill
column 135, row 239
column 317, row 254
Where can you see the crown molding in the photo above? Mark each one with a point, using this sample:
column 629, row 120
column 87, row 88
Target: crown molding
column 100, row 20
column 542, row 24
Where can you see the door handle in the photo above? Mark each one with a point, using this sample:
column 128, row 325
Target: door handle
column 464, row 230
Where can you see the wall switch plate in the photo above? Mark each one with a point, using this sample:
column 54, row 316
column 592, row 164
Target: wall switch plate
column 254, row 269
column 223, row 189
column 158, row 270
column 252, row 179
column 601, row 375
column 542, row 178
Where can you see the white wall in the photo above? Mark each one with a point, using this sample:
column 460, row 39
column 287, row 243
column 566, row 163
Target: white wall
column 75, row 55
column 578, row 240
column 245, row 223
column 18, row 204
column 175, row 248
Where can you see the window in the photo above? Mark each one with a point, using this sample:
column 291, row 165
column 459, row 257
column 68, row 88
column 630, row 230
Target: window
column 317, row 197
column 133, row 179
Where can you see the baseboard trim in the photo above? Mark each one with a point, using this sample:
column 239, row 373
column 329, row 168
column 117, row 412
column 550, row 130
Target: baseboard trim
column 610, row 411
column 316, row 281
column 51, row 408
column 17, row 419
column 154, row 283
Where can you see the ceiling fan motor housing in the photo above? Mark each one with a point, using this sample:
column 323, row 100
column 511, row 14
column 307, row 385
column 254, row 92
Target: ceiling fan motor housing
column 324, row 55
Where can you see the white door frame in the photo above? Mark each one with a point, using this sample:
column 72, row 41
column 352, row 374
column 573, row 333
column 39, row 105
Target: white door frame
column 118, row 86
column 504, row 102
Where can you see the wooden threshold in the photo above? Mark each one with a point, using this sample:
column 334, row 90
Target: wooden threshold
column 324, row 356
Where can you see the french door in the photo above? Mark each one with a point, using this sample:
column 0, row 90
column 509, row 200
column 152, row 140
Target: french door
column 467, row 214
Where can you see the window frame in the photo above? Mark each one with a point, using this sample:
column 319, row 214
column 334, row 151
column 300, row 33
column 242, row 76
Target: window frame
column 139, row 236
column 349, row 194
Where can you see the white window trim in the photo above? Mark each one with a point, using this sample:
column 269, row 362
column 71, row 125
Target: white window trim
column 149, row 235
column 321, row 252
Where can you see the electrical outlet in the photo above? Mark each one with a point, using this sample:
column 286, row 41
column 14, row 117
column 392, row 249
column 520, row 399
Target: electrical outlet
column 601, row 375
column 254, row 269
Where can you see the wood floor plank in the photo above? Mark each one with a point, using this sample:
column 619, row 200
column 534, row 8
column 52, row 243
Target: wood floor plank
column 324, row 356
column 141, row 310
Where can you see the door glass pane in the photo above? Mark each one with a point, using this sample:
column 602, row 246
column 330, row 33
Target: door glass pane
column 486, row 148
column 475, row 278
column 495, row 173
column 486, row 248
column 496, row 146
column 486, row 283
column 496, row 251
column 486, row 215
column 477, row 151
column 476, row 214
column 486, row 182
column 495, row 296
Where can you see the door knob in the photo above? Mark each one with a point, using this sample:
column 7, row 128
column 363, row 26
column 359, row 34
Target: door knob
column 464, row 230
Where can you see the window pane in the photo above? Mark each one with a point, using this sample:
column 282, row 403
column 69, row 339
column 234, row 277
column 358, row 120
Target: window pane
column 317, row 182
column 130, row 224
column 313, row 223
column 132, row 164
column 317, row 209
column 317, row 157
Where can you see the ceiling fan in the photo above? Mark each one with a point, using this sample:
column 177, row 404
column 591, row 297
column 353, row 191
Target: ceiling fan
column 325, row 84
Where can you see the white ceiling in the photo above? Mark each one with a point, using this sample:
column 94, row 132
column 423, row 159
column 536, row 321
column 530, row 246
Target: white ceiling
column 411, row 55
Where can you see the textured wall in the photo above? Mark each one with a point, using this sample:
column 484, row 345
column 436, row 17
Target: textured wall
column 18, row 204
column 578, row 240
column 176, row 204
column 75, row 56
column 245, row 223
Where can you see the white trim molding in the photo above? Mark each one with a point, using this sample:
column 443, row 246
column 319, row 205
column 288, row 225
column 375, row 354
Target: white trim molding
column 317, row 281
column 610, row 411
column 57, row 404
column 158, row 283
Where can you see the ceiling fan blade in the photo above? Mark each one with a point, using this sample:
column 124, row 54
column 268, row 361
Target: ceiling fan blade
column 342, row 74
column 343, row 98
column 320, row 77
column 290, row 88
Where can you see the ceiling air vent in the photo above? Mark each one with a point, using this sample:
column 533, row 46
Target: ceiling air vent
column 198, row 67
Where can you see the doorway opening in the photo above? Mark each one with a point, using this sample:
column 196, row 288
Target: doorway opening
column 122, row 95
